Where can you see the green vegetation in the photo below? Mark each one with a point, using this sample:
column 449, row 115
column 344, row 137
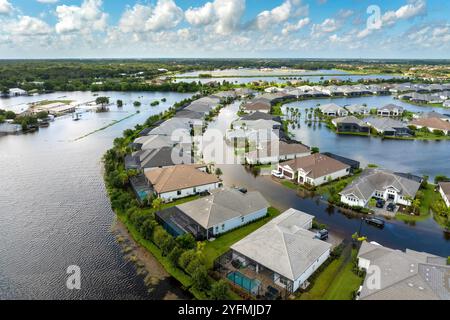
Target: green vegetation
column 154, row 103
column 337, row 279
column 422, row 205
column 47, row 102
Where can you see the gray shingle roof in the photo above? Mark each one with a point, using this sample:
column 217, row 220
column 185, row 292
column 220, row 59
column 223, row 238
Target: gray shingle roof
column 405, row 275
column 379, row 179
column 283, row 245
column 223, row 205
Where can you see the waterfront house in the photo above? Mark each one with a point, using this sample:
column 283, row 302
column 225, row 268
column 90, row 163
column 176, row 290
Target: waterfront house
column 444, row 190
column 10, row 128
column 276, row 151
column 380, row 184
column 446, row 104
column 333, row 110
column 153, row 142
column 175, row 125
column 260, row 116
column 405, row 275
column 350, row 124
column 314, row 170
column 432, row 124
column 358, row 109
column 434, row 114
column 389, row 127
column 181, row 181
column 159, row 158
column 257, row 106
column 281, row 255
column 16, row 92
column 390, row 110
column 208, row 217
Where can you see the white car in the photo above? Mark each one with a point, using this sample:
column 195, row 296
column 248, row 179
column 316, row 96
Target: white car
column 277, row 174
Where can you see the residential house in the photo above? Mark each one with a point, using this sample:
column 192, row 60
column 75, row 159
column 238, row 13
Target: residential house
column 260, row 116
column 389, row 127
column 257, row 106
column 314, row 170
column 15, row 92
column 204, row 105
column 181, row 181
column 390, row 110
column 432, row 124
column 444, row 190
column 153, row 142
column 405, row 275
column 333, row 110
column 358, row 109
column 174, row 125
column 350, row 124
column 446, row 104
column 380, row 184
column 276, row 151
column 208, row 217
column 10, row 128
column 283, row 253
column 158, row 158
column 434, row 114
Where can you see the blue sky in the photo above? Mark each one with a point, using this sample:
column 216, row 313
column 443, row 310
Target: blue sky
column 224, row 28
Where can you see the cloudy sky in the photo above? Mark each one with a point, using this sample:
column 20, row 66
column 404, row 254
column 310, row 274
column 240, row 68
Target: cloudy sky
column 224, row 28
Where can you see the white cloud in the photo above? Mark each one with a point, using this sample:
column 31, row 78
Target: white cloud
column 29, row 26
column 289, row 27
column 143, row 18
column 205, row 15
column 229, row 14
column 267, row 18
column 327, row 26
column 5, row 7
column 86, row 18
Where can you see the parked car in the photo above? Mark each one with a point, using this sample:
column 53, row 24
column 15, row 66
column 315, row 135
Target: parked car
column 380, row 203
column 391, row 207
column 376, row 222
column 277, row 174
column 322, row 235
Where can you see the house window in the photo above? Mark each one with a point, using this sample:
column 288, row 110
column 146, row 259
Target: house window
column 217, row 229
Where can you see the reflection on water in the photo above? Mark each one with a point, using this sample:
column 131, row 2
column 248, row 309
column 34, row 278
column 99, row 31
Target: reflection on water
column 54, row 209
column 417, row 157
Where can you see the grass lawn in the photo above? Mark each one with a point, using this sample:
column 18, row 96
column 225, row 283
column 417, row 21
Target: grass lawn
column 336, row 282
column 289, row 184
column 216, row 248
column 429, row 196
column 47, row 102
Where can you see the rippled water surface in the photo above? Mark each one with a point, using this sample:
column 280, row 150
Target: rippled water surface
column 54, row 211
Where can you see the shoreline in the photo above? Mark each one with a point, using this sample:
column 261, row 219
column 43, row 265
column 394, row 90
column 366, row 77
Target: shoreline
column 156, row 278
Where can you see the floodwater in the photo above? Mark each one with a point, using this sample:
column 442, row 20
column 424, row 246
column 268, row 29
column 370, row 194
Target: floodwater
column 54, row 210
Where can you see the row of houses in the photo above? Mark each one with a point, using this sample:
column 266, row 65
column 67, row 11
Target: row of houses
column 334, row 110
column 428, row 98
column 164, row 157
column 358, row 90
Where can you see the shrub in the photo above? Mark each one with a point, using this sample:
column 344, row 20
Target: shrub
column 186, row 258
column 175, row 255
column 193, row 266
column 219, row 290
column 200, row 279
column 186, row 241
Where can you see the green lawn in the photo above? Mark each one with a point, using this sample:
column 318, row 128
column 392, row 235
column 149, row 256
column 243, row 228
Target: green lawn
column 429, row 196
column 221, row 245
column 336, row 282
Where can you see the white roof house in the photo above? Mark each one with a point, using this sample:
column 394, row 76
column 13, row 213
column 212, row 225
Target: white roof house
column 286, row 247
column 408, row 275
column 333, row 110
column 14, row 92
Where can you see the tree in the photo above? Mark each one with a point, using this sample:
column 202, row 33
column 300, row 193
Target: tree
column 200, row 280
column 441, row 178
column 372, row 203
column 219, row 290
column 119, row 103
column 186, row 241
column 42, row 115
column 315, row 150
column 10, row 115
column 175, row 255
column 157, row 204
column 219, row 172
column 102, row 101
column 416, row 206
column 186, row 258
column 137, row 104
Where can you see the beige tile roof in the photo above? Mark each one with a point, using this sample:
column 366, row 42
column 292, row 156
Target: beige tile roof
column 446, row 188
column 179, row 177
column 317, row 165
column 434, row 123
column 257, row 106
